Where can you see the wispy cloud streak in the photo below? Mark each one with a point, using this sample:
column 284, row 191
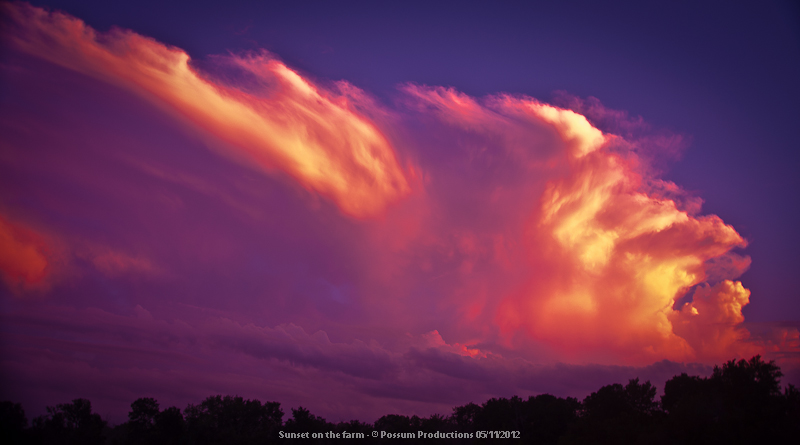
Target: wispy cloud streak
column 313, row 135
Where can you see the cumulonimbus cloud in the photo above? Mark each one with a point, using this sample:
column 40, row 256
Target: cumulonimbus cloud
column 545, row 230
column 609, row 248
column 313, row 135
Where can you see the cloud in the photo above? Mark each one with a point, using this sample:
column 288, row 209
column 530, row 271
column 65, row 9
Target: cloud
column 33, row 262
column 25, row 261
column 498, row 244
column 288, row 124
column 711, row 322
column 535, row 227
column 114, row 263
column 608, row 247
column 56, row 355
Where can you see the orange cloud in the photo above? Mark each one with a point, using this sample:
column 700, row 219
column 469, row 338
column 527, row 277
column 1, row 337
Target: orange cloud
column 581, row 137
column 28, row 262
column 315, row 136
column 609, row 246
column 24, row 261
column 558, row 233
column 624, row 255
column 710, row 323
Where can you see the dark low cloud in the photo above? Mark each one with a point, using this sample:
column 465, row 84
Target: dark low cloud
column 52, row 354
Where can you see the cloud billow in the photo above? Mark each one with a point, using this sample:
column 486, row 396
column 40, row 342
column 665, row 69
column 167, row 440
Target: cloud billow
column 329, row 247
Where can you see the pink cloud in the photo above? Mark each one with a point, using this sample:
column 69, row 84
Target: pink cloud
column 608, row 250
column 500, row 243
column 113, row 263
column 25, row 262
column 291, row 125
column 711, row 322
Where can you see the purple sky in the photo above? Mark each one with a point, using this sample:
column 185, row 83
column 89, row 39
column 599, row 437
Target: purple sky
column 369, row 209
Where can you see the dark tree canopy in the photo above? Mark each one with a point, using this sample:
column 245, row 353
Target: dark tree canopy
column 70, row 423
column 232, row 420
column 12, row 421
column 618, row 414
column 740, row 403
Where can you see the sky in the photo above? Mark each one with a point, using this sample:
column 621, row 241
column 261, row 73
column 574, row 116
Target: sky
column 366, row 208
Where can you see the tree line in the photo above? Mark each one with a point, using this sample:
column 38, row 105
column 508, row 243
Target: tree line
column 740, row 403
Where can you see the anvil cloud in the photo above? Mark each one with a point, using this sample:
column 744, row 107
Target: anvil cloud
column 173, row 227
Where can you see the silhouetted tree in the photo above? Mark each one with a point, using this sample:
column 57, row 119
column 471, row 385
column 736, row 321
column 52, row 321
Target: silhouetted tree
column 148, row 425
column 501, row 415
column 394, row 423
column 70, row 423
column 619, row 414
column 790, row 424
column 465, row 416
column 170, row 427
column 12, row 422
column 436, row 422
column 303, row 421
column 692, row 406
column 232, row 420
column 548, row 418
column 142, row 420
column 740, row 403
column 541, row 419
